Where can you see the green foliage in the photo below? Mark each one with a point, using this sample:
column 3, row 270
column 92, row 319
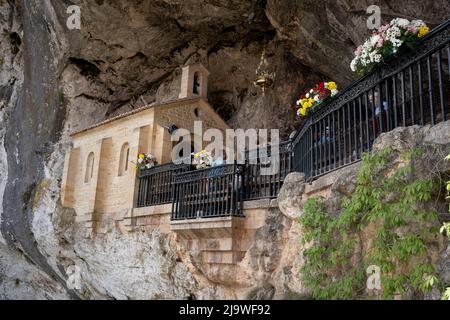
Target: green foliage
column 446, row 295
column 429, row 282
column 332, row 252
column 394, row 206
column 446, row 229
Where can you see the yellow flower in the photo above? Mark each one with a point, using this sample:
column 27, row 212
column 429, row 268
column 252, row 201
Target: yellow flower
column 197, row 155
column 423, row 31
column 332, row 85
column 141, row 156
column 303, row 111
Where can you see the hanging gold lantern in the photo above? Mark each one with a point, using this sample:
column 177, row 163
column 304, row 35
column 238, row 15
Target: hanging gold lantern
column 264, row 78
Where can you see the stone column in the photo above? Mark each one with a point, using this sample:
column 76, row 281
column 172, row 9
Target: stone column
column 71, row 163
column 140, row 141
column 88, row 190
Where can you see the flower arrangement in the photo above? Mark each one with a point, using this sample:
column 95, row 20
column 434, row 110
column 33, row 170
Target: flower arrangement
column 386, row 41
column 202, row 159
column 315, row 96
column 145, row 161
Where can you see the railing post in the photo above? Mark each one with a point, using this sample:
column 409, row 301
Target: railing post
column 174, row 197
column 233, row 186
column 241, row 188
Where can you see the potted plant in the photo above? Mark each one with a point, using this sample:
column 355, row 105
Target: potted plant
column 315, row 96
column 386, row 41
column 202, row 159
column 145, row 161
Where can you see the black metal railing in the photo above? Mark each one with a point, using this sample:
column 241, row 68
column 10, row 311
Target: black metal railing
column 155, row 184
column 411, row 88
column 211, row 192
column 264, row 174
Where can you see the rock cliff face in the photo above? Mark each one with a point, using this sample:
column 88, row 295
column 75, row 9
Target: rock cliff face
column 54, row 80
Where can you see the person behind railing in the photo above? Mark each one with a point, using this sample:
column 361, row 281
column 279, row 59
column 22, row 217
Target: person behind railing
column 374, row 101
column 325, row 137
column 218, row 162
column 212, row 182
column 324, row 140
column 383, row 112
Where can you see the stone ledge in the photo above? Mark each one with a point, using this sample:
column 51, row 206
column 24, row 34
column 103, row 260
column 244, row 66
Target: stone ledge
column 152, row 210
column 220, row 227
column 203, row 223
column 328, row 179
column 167, row 208
column 260, row 204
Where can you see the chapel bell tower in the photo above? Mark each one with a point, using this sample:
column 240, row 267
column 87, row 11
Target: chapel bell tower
column 194, row 81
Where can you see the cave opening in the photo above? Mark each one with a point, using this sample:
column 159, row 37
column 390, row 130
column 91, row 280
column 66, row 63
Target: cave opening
column 87, row 69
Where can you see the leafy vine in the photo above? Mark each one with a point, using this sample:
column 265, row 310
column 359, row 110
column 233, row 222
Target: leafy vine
column 395, row 209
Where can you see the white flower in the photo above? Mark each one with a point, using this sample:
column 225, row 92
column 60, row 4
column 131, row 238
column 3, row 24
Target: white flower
column 400, row 22
column 311, row 91
column 418, row 23
column 397, row 42
column 375, row 57
column 374, row 39
column 393, row 33
column 334, row 91
column 316, row 98
column 353, row 65
column 307, row 95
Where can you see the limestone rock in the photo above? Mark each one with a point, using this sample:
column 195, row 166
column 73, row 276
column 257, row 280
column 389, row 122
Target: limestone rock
column 265, row 292
column 21, row 280
column 439, row 134
column 290, row 195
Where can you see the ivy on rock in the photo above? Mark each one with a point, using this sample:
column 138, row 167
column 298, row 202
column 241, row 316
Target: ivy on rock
column 386, row 222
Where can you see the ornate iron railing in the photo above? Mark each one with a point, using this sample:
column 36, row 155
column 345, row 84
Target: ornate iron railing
column 411, row 88
column 155, row 184
column 263, row 174
column 211, row 192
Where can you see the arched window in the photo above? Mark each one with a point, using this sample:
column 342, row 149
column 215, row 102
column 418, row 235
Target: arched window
column 89, row 167
column 124, row 158
column 196, row 84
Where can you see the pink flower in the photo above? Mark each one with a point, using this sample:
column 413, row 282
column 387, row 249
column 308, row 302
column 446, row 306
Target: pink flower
column 384, row 27
column 380, row 42
column 411, row 28
column 358, row 50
